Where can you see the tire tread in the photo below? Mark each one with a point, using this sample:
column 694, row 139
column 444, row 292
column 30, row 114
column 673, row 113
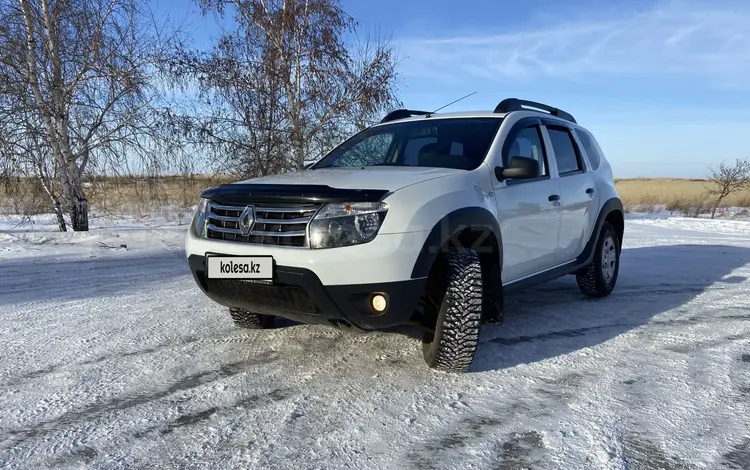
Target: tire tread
column 457, row 344
column 590, row 279
column 250, row 320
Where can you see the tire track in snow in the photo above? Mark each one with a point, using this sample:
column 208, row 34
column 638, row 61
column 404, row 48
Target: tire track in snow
column 364, row 402
column 148, row 332
column 738, row 457
column 171, row 345
column 572, row 333
column 54, row 432
column 24, row 285
column 99, row 257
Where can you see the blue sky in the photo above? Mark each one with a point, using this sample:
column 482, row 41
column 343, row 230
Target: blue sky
column 664, row 85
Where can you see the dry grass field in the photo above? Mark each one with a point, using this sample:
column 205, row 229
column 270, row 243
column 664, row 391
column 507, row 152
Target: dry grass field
column 145, row 197
column 686, row 196
column 138, row 197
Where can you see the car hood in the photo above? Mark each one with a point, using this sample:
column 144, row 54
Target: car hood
column 388, row 178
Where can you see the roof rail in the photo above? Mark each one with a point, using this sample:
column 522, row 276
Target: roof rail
column 402, row 114
column 514, row 104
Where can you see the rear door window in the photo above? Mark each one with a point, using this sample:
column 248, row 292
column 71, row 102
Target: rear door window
column 567, row 156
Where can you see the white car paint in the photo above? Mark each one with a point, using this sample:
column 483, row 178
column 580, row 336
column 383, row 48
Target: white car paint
column 529, row 224
column 372, row 177
column 436, row 199
column 389, row 257
column 537, row 234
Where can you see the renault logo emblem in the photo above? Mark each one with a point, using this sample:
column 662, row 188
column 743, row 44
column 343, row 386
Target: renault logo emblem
column 247, row 220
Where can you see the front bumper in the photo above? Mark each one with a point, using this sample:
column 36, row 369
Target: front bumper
column 387, row 258
column 298, row 295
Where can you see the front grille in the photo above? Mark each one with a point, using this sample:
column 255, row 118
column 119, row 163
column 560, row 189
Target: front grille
column 261, row 298
column 280, row 225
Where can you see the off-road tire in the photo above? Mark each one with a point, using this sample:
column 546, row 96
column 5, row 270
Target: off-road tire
column 598, row 280
column 250, row 320
column 452, row 346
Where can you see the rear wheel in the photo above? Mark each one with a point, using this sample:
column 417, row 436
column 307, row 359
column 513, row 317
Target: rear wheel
column 599, row 278
column 458, row 286
column 250, row 320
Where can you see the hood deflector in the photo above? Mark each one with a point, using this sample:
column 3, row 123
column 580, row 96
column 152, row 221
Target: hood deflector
column 246, row 193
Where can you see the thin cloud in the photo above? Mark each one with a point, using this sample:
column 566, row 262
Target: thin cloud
column 703, row 40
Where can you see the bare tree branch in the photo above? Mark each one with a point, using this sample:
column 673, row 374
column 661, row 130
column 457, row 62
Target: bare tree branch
column 728, row 179
column 284, row 85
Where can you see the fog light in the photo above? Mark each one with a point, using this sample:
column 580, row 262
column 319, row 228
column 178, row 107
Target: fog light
column 379, row 303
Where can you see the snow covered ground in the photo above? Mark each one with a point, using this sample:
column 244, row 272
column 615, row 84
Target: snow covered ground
column 110, row 357
column 38, row 237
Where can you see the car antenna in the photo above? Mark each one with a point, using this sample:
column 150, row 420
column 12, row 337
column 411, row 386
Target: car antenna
column 433, row 112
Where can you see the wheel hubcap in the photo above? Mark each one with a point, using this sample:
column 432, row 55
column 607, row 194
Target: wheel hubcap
column 609, row 259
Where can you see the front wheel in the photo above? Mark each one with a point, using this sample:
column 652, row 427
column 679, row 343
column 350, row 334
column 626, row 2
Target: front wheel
column 599, row 278
column 454, row 342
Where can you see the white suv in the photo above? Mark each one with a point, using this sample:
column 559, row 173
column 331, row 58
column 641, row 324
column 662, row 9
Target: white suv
column 423, row 219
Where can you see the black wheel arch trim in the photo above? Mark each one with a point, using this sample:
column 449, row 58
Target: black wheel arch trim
column 450, row 226
column 611, row 205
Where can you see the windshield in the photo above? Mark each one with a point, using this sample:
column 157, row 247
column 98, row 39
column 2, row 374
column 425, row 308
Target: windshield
column 446, row 143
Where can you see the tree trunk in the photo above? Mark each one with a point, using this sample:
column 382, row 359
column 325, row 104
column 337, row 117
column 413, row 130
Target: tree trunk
column 47, row 185
column 298, row 146
column 79, row 205
column 74, row 198
column 59, row 213
column 716, row 206
column 79, row 215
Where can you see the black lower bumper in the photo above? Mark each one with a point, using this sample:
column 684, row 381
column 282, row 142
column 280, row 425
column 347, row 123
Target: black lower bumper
column 298, row 295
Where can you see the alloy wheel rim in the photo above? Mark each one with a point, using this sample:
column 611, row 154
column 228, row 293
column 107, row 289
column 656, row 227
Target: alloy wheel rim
column 609, row 259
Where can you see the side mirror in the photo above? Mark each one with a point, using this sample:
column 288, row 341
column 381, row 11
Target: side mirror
column 520, row 167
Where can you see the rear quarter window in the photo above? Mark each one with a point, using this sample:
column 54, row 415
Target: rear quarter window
column 589, row 147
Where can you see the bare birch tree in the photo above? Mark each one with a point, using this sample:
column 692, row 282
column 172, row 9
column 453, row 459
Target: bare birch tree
column 728, row 179
column 77, row 93
column 284, row 85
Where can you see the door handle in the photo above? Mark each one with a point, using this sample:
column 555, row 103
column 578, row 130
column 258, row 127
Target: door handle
column 590, row 191
column 554, row 197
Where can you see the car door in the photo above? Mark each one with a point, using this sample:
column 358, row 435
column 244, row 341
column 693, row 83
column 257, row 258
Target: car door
column 527, row 209
column 578, row 197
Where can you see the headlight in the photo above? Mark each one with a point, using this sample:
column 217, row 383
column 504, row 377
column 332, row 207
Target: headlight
column 199, row 219
column 346, row 224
